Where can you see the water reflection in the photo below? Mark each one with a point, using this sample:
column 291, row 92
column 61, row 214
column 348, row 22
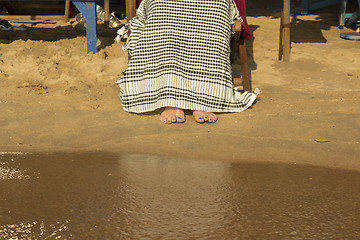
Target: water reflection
column 106, row 196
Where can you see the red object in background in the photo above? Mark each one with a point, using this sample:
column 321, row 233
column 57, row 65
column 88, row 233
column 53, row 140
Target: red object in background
column 246, row 33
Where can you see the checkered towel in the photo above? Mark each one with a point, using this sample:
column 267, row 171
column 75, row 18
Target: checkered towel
column 180, row 57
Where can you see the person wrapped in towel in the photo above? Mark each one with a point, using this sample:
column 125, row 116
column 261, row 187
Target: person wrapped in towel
column 180, row 60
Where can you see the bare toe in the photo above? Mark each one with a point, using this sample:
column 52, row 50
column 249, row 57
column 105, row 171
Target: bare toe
column 180, row 120
column 212, row 118
column 172, row 115
column 199, row 119
column 198, row 115
column 180, row 116
column 202, row 116
column 162, row 119
column 169, row 119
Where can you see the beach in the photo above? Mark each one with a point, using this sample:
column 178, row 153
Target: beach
column 55, row 97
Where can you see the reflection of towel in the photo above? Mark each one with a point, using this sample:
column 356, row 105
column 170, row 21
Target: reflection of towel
column 246, row 33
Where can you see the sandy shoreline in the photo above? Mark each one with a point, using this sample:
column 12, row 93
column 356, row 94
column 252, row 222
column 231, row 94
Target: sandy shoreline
column 55, row 97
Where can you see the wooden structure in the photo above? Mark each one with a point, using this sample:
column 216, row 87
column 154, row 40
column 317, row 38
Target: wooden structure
column 288, row 10
column 239, row 44
column 284, row 38
column 130, row 9
column 65, row 16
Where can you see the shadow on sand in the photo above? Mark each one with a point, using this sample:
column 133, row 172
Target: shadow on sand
column 35, row 33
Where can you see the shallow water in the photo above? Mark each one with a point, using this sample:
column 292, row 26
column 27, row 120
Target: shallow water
column 106, row 196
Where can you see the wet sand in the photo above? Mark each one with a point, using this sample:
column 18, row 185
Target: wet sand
column 106, row 196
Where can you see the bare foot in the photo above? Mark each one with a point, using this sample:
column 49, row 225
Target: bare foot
column 172, row 115
column 202, row 116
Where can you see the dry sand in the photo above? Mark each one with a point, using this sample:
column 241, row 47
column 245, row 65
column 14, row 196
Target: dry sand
column 55, row 97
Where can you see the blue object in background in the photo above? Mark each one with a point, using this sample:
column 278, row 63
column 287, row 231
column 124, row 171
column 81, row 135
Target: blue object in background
column 88, row 10
column 351, row 36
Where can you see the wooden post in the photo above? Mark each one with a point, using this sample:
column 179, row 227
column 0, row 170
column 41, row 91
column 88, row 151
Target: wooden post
column 107, row 12
column 67, row 10
column 281, row 35
column 244, row 65
column 130, row 9
column 286, row 29
column 238, row 45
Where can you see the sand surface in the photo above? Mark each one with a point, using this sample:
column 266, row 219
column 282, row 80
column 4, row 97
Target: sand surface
column 55, row 97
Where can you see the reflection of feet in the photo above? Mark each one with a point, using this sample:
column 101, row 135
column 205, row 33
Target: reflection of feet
column 202, row 116
column 172, row 115
column 5, row 25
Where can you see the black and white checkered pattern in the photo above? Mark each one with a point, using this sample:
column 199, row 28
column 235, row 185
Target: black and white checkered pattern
column 180, row 57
